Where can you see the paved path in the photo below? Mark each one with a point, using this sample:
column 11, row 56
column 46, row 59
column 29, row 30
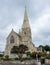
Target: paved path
column 14, row 64
column 10, row 63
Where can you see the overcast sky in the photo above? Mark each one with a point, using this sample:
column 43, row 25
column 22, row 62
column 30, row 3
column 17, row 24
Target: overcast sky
column 12, row 15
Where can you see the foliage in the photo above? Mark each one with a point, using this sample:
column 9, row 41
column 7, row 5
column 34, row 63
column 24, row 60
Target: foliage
column 6, row 57
column 28, row 53
column 45, row 48
column 48, row 56
column 33, row 55
column 41, row 46
column 1, row 55
column 20, row 50
column 14, row 49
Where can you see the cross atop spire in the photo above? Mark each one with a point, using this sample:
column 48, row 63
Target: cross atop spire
column 26, row 21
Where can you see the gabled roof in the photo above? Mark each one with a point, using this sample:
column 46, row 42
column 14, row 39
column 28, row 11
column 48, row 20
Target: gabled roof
column 13, row 32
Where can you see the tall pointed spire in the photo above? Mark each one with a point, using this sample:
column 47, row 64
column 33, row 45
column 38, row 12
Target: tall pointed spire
column 26, row 21
column 25, row 15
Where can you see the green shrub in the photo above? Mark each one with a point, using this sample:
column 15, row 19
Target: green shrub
column 1, row 55
column 9, row 59
column 16, row 58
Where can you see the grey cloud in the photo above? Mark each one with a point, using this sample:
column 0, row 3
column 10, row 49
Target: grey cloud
column 12, row 12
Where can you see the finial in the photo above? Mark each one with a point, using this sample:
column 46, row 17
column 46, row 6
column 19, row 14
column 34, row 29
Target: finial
column 25, row 6
column 12, row 29
column 12, row 26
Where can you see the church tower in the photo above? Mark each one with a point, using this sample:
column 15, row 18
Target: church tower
column 26, row 33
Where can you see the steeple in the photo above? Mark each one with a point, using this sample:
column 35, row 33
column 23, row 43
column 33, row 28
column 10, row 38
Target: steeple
column 26, row 21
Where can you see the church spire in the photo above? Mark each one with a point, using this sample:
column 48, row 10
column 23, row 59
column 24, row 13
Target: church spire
column 26, row 21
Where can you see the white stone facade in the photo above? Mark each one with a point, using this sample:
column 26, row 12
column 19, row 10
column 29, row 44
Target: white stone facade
column 24, row 37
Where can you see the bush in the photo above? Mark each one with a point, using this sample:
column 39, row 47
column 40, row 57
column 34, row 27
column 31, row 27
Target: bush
column 16, row 58
column 10, row 59
column 6, row 57
column 48, row 56
column 1, row 55
column 1, row 58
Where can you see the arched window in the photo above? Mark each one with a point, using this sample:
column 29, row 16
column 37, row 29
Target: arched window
column 12, row 39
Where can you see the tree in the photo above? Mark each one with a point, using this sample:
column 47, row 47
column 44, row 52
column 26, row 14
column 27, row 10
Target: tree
column 47, row 48
column 20, row 50
column 23, row 48
column 41, row 46
column 6, row 57
column 14, row 49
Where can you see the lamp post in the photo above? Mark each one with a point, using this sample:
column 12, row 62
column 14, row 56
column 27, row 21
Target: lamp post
column 36, row 57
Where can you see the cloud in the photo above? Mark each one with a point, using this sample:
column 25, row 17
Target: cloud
column 11, row 16
column 41, row 29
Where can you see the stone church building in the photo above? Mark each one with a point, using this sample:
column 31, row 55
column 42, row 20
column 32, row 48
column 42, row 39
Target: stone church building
column 23, row 37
